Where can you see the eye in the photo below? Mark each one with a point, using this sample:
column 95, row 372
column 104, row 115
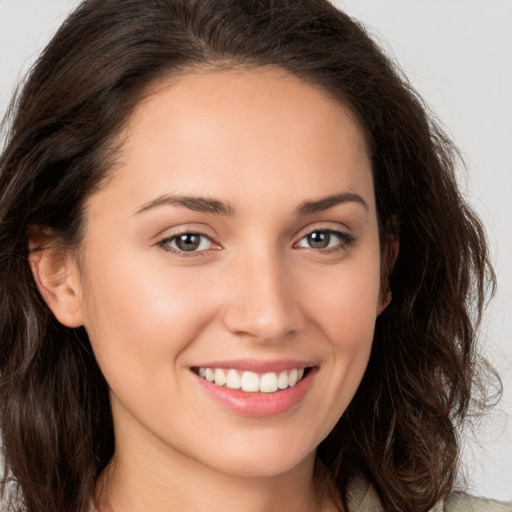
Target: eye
column 325, row 239
column 187, row 242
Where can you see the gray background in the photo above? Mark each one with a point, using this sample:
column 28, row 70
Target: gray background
column 458, row 54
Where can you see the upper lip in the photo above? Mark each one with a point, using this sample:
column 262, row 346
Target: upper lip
column 258, row 365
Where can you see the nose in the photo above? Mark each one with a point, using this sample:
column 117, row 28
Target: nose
column 261, row 303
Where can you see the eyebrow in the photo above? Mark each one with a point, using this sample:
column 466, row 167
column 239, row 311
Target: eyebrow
column 209, row 205
column 325, row 203
column 198, row 204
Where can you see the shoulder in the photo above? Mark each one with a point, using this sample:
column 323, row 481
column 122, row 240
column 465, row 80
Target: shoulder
column 362, row 497
column 462, row 502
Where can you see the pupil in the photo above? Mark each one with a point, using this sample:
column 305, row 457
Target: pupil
column 188, row 242
column 319, row 239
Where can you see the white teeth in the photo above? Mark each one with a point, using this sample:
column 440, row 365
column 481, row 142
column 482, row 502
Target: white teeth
column 292, row 378
column 220, row 377
column 282, row 380
column 252, row 382
column 233, row 380
column 268, row 382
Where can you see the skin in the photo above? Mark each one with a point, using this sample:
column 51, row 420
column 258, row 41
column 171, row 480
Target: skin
column 264, row 143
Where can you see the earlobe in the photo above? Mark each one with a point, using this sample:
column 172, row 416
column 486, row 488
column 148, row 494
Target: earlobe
column 390, row 254
column 384, row 300
column 56, row 276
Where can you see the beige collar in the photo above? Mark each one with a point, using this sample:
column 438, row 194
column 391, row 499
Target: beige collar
column 362, row 497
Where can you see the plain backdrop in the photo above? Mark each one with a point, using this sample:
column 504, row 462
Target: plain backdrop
column 458, row 55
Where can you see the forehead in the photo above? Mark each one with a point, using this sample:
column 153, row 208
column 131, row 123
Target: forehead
column 262, row 129
column 272, row 96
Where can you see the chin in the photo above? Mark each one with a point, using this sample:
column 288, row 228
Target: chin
column 260, row 460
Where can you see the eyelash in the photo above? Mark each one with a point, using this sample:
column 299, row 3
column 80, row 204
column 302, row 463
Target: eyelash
column 345, row 241
column 164, row 244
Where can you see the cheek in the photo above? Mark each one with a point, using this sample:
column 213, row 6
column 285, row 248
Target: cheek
column 345, row 314
column 140, row 314
column 347, row 301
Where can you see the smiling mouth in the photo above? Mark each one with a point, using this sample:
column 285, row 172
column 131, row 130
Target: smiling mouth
column 252, row 382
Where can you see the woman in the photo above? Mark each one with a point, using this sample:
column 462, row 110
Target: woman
column 236, row 269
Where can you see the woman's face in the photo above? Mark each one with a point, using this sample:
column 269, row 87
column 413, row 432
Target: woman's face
column 236, row 241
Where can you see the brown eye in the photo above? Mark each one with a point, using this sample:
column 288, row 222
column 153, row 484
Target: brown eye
column 319, row 239
column 326, row 239
column 187, row 242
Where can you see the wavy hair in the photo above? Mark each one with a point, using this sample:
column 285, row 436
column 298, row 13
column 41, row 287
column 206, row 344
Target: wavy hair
column 401, row 429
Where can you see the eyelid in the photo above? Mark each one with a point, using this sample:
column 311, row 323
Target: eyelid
column 333, row 227
column 346, row 238
column 164, row 242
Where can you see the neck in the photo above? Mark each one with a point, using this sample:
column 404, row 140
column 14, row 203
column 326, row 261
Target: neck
column 156, row 482
column 122, row 487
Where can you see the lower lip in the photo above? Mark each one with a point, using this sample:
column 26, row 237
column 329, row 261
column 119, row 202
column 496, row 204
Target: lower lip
column 259, row 404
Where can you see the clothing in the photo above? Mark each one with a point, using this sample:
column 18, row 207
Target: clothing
column 362, row 497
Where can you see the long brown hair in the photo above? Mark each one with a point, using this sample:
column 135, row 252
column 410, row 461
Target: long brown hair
column 400, row 431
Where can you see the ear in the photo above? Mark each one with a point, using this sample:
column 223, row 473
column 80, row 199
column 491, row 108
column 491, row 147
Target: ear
column 389, row 256
column 56, row 275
